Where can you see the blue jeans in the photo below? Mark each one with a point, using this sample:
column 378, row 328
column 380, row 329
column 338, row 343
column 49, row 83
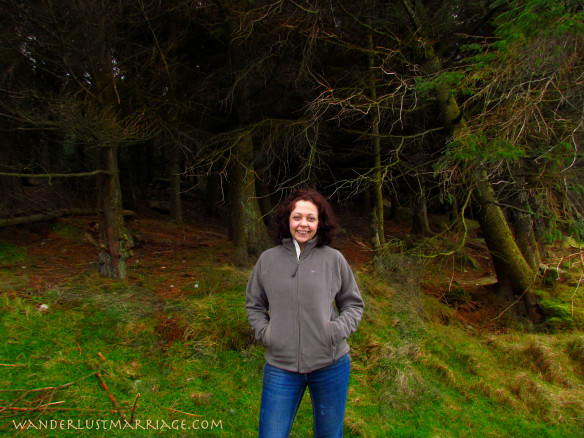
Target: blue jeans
column 283, row 390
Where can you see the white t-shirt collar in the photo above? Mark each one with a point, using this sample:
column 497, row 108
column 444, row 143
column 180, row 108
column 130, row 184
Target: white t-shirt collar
column 297, row 248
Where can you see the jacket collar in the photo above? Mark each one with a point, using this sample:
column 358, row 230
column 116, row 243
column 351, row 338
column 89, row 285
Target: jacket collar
column 308, row 246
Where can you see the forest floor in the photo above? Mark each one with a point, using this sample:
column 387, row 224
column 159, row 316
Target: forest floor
column 436, row 355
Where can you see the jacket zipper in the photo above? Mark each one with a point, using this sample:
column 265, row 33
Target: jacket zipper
column 298, row 314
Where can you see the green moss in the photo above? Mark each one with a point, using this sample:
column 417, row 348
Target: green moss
column 556, row 310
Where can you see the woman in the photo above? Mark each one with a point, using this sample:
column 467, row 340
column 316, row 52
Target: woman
column 303, row 303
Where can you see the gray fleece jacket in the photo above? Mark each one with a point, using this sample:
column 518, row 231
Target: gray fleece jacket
column 303, row 310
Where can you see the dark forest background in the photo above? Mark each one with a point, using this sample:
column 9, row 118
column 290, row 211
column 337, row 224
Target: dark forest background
column 145, row 145
column 395, row 110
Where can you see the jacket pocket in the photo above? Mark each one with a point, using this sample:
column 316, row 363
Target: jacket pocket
column 267, row 335
column 332, row 342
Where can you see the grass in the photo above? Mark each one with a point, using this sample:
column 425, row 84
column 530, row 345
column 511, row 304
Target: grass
column 185, row 354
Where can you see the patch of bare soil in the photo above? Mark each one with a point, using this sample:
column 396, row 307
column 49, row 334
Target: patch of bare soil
column 470, row 290
column 356, row 251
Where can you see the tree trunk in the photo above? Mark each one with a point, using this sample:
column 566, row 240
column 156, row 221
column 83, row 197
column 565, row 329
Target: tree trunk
column 10, row 187
column 377, row 214
column 114, row 240
column 420, row 222
column 525, row 233
column 510, row 265
column 526, row 240
column 395, row 206
column 176, row 210
column 213, row 193
column 247, row 227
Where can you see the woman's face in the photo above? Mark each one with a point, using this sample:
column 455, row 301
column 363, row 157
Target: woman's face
column 304, row 221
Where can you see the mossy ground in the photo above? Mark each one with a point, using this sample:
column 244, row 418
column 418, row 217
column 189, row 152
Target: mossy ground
column 172, row 344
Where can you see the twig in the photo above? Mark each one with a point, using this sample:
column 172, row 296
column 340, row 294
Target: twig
column 110, row 396
column 575, row 291
column 36, row 408
column 44, row 407
column 19, row 409
column 48, row 388
column 134, row 408
column 91, row 240
column 464, row 236
column 185, row 413
column 558, row 267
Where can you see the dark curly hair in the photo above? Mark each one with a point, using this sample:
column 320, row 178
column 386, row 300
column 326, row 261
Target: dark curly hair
column 327, row 221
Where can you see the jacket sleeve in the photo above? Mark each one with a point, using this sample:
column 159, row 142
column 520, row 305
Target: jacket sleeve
column 349, row 303
column 256, row 304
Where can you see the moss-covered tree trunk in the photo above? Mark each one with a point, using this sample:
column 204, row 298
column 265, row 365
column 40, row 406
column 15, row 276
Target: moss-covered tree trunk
column 512, row 268
column 523, row 225
column 248, row 231
column 525, row 237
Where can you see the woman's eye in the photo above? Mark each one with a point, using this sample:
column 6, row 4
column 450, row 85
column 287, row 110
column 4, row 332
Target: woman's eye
column 308, row 219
